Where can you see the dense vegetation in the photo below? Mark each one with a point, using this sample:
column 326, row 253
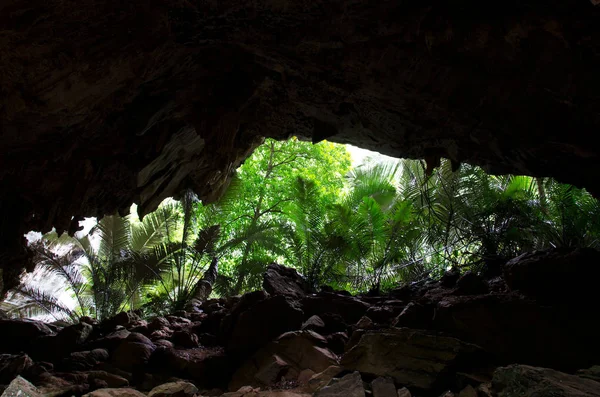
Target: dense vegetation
column 363, row 229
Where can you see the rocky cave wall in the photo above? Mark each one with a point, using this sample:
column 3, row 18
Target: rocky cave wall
column 105, row 104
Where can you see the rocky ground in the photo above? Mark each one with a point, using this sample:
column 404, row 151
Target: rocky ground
column 532, row 331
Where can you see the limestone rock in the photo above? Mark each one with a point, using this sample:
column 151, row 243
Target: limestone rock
column 174, row 389
column 350, row 385
column 411, row 357
column 527, row 381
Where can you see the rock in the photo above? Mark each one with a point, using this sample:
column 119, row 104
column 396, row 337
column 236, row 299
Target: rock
column 404, row 392
column 333, row 323
column 17, row 335
column 21, row 387
column 555, row 274
column 412, row 357
column 384, row 387
column 158, row 323
column 305, row 375
column 468, row 391
column 298, row 350
column 364, row 323
column 336, row 342
column 115, row 392
column 415, row 315
column 349, row 308
column 350, row 385
column 109, row 342
column 592, row 373
column 81, row 361
column 185, row 338
column 526, row 381
column 263, row 322
column 133, row 352
column 281, row 280
column 122, row 319
column 13, row 365
column 471, row 284
column 450, row 277
column 314, row 323
column 322, row 379
column 75, row 335
column 518, row 329
column 384, row 314
column 272, row 371
column 111, row 380
column 174, row 389
column 164, row 343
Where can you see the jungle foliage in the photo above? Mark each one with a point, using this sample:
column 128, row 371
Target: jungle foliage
column 365, row 228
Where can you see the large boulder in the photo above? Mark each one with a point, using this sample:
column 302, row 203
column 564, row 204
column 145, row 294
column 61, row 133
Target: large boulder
column 13, row 365
column 281, row 280
column 556, row 274
column 21, row 387
column 411, row 357
column 174, row 389
column 350, row 385
column 81, row 361
column 526, row 381
column 115, row 392
column 133, row 352
column 518, row 329
column 17, row 335
column 263, row 322
column 349, row 308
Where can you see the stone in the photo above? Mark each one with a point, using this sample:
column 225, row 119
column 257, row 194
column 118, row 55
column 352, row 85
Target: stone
column 384, row 387
column 404, row 392
column 411, row 357
column 263, row 322
column 592, row 373
column 13, row 365
column 336, row 342
column 20, row 387
column 123, row 319
column 115, row 392
column 386, row 313
column 17, row 335
column 322, row 379
column 111, row 380
column 349, row 308
column 350, row 385
column 305, row 375
column 110, row 341
column 185, row 339
column 272, row 371
column 468, row 391
column 450, row 277
column 133, row 353
column 281, row 280
column 527, row 381
column 314, row 323
column 555, row 274
column 364, row 323
column 174, row 389
column 81, row 361
column 415, row 315
column 158, row 323
column 471, row 284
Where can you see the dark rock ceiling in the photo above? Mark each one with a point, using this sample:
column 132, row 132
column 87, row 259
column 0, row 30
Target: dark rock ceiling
column 106, row 103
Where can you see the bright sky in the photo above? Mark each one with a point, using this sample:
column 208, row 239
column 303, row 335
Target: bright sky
column 359, row 155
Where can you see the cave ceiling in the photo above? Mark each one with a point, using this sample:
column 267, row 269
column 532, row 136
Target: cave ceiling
column 106, row 103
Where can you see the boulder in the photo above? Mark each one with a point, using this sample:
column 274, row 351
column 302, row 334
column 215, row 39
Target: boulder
column 133, row 352
column 158, row 323
column 111, row 380
column 384, row 387
column 404, row 392
column 174, row 389
column 471, row 283
column 415, row 315
column 314, row 323
column 17, row 335
column 450, row 277
column 281, row 280
column 13, row 365
column 263, row 322
column 350, row 385
column 411, row 357
column 74, row 336
column 123, row 319
column 385, row 313
column 299, row 350
column 109, row 342
column 555, row 274
column 527, row 381
column 518, row 329
column 81, row 361
column 322, row 379
column 115, row 392
column 592, row 373
column 185, row 338
column 21, row 387
column 349, row 308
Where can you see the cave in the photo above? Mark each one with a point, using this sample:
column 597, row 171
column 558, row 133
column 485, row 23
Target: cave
column 104, row 104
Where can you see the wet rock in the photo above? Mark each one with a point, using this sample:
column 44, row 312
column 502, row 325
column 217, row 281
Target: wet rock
column 526, row 381
column 115, row 392
column 174, row 389
column 350, row 385
column 349, row 308
column 384, row 387
column 17, row 335
column 471, row 284
column 185, row 339
column 555, row 274
column 13, row 365
column 411, row 357
column 281, row 280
